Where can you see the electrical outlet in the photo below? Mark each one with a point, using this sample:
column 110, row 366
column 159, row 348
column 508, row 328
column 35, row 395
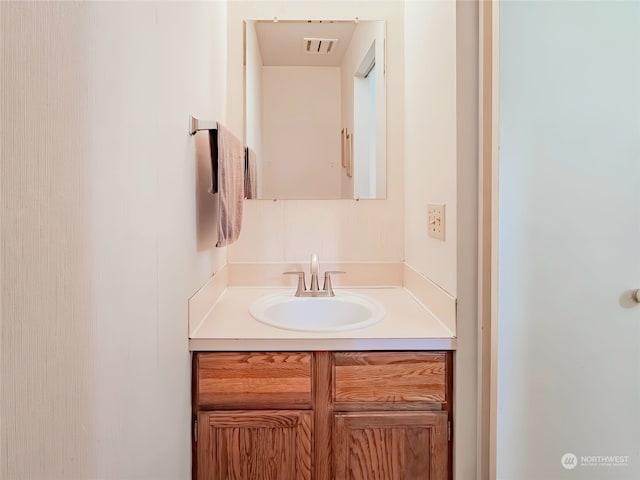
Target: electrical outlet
column 435, row 220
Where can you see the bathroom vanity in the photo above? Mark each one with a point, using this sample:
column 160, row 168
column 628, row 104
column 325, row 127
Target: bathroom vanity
column 371, row 403
column 322, row 415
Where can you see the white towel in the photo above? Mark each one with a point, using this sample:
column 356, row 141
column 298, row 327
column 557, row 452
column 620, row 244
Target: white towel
column 230, row 186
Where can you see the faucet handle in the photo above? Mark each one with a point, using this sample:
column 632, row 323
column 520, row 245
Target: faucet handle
column 302, row 286
column 327, row 282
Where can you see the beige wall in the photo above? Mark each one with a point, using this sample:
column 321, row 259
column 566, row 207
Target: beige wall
column 335, row 229
column 106, row 233
column 430, row 137
column 441, row 165
column 301, row 153
column 100, row 250
column 253, row 99
column 466, row 359
column 47, row 364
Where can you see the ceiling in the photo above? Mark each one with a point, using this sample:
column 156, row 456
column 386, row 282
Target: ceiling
column 282, row 43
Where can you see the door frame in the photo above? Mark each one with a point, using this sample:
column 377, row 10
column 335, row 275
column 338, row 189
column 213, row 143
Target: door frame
column 488, row 238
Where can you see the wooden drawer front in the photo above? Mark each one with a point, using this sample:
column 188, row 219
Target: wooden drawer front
column 254, row 380
column 390, row 377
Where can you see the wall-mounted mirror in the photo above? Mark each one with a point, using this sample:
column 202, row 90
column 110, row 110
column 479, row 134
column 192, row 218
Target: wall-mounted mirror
column 315, row 109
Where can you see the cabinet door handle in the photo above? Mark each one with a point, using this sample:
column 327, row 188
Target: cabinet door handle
column 635, row 295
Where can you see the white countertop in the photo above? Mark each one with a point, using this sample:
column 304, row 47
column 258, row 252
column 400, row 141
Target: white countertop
column 408, row 325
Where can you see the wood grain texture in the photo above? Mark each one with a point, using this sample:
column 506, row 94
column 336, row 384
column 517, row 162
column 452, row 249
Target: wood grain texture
column 388, row 377
column 366, row 444
column 255, row 445
column 194, row 415
column 323, row 416
column 391, row 446
column 449, row 408
column 254, row 380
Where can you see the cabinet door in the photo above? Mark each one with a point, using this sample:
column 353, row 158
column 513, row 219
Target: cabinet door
column 254, row 445
column 391, row 446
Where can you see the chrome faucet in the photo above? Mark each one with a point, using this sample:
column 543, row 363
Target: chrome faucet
column 314, row 273
column 314, row 290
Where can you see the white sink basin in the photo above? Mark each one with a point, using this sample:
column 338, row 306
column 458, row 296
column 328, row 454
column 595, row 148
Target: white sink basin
column 345, row 311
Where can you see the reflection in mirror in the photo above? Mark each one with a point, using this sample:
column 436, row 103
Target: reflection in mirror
column 315, row 109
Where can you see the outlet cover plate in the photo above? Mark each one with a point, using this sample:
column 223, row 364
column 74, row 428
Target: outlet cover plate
column 435, row 220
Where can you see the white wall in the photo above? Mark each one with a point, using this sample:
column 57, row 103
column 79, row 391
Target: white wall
column 569, row 221
column 335, row 229
column 100, row 250
column 301, row 132
column 430, row 138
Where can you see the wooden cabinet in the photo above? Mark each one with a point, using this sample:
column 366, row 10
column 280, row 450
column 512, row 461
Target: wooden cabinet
column 390, row 445
column 254, row 444
column 253, row 415
column 322, row 415
column 391, row 415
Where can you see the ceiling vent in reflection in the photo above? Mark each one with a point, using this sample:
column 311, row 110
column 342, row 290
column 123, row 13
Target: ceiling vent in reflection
column 320, row 46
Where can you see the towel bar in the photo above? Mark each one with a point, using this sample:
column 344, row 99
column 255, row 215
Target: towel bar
column 196, row 125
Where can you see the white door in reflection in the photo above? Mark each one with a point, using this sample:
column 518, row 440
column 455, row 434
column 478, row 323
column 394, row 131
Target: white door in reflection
column 364, row 119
